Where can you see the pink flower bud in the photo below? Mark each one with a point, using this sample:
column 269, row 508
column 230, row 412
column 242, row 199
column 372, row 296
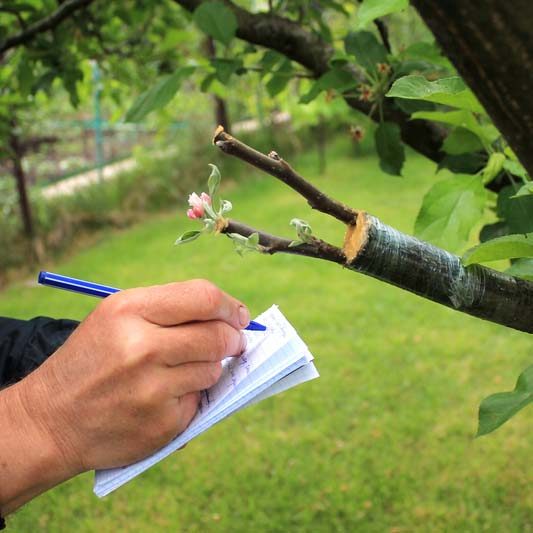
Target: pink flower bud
column 191, row 214
column 195, row 200
column 206, row 198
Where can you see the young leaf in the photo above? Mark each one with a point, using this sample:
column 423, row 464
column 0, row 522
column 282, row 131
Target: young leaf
column 461, row 141
column 372, row 9
column 217, row 20
column 498, row 408
column 493, row 167
column 521, row 268
column 390, row 148
column 336, row 78
column 213, row 181
column 448, row 91
column 303, row 230
column 157, row 96
column 188, row 236
column 366, row 48
column 507, row 247
column 450, row 210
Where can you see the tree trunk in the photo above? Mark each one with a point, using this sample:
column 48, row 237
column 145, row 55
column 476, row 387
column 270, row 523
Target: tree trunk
column 490, row 42
column 221, row 109
column 20, row 178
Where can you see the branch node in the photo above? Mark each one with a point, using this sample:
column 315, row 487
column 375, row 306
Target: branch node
column 274, row 155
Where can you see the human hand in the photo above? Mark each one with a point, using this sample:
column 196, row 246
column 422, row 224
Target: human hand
column 127, row 381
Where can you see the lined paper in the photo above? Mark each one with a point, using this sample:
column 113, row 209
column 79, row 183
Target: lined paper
column 274, row 361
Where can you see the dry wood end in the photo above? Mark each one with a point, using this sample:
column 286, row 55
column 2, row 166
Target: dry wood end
column 218, row 132
column 356, row 236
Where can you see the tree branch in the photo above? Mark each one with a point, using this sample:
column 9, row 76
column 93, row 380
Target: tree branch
column 311, row 51
column 272, row 244
column 375, row 249
column 65, row 10
column 277, row 167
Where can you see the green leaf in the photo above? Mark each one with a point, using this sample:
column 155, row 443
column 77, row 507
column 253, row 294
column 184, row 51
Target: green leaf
column 500, row 407
column 517, row 211
column 521, row 268
column 525, row 190
column 372, row 9
column 450, row 210
column 217, row 20
column 336, row 78
column 188, row 236
column 508, row 247
column 366, row 48
column 390, row 148
column 224, row 68
column 157, row 96
column 427, row 53
column 280, row 78
column 270, row 59
column 515, row 168
column 461, row 141
column 493, row 167
column 465, row 119
column 470, row 163
column 213, row 181
column 448, row 91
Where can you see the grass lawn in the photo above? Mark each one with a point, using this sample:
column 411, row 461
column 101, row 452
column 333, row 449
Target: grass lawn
column 382, row 441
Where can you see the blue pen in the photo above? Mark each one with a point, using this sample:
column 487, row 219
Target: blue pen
column 100, row 291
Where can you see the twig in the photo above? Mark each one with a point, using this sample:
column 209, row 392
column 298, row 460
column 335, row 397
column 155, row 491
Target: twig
column 272, row 244
column 277, row 167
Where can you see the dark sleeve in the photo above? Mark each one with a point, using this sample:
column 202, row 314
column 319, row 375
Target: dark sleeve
column 25, row 344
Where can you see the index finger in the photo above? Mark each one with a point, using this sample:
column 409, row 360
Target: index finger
column 191, row 301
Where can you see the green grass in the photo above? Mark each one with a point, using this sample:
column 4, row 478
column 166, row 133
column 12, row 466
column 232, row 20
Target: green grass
column 383, row 441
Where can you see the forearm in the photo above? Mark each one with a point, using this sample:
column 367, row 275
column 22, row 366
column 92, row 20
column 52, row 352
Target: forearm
column 30, row 460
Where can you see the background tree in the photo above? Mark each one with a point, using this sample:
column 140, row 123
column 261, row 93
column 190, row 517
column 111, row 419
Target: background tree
column 413, row 94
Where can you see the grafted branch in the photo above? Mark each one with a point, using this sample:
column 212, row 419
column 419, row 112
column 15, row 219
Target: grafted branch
column 65, row 10
column 373, row 248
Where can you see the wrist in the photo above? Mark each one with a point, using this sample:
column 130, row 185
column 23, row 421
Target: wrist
column 32, row 461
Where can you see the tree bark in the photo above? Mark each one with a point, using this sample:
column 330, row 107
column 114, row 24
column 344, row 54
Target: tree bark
column 490, row 42
column 20, row 178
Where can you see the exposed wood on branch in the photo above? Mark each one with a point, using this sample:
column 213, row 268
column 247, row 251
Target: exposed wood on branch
column 375, row 249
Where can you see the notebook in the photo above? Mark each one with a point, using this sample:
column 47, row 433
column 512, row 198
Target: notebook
column 274, row 361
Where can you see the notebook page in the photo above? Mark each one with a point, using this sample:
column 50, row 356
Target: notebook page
column 269, row 358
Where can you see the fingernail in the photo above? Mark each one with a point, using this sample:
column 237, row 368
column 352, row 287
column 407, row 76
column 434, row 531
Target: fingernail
column 243, row 342
column 244, row 316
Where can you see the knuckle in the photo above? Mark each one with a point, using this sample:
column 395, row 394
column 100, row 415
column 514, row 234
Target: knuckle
column 137, row 347
column 222, row 340
column 213, row 373
column 119, row 303
column 210, row 294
